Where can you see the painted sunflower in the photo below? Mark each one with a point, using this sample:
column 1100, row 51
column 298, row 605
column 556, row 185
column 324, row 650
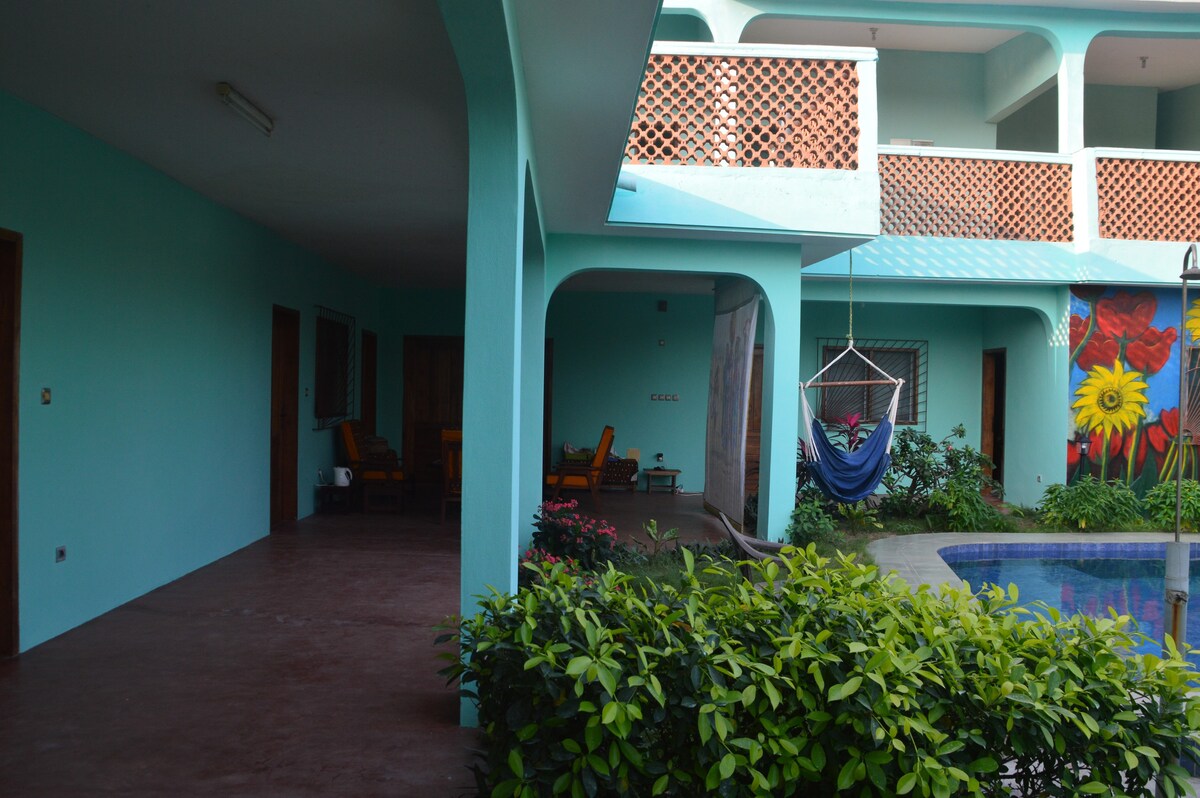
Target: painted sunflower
column 1193, row 321
column 1110, row 399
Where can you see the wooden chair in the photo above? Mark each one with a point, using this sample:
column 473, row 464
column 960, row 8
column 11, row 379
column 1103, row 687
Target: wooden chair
column 583, row 475
column 375, row 466
column 451, row 468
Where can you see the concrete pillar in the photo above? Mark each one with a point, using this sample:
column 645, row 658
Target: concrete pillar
column 495, row 346
column 780, row 397
column 1070, row 100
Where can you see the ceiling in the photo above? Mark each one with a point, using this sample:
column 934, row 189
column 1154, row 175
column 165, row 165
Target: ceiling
column 368, row 162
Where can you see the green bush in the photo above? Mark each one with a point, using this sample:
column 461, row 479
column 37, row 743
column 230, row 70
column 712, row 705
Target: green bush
column 1160, row 505
column 827, row 678
column 812, row 523
column 922, row 467
column 960, row 507
column 1091, row 503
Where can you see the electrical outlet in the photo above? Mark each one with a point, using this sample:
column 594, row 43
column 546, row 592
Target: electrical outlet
column 60, row 553
column 659, row 457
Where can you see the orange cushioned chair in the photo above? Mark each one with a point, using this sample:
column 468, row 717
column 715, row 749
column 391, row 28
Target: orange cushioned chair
column 376, row 467
column 583, row 476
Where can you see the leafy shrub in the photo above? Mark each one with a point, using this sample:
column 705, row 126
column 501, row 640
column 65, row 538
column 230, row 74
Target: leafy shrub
column 811, row 523
column 1091, row 503
column 860, row 516
column 960, row 507
column 1160, row 505
column 563, row 532
column 829, row 679
column 922, row 466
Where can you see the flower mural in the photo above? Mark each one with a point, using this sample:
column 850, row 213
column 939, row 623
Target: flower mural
column 1110, row 399
column 1125, row 387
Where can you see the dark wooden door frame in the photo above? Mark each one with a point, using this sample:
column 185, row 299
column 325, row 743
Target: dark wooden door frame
column 285, row 401
column 370, row 381
column 10, row 347
column 991, row 436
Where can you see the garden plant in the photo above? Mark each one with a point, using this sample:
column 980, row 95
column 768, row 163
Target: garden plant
column 1092, row 504
column 812, row 677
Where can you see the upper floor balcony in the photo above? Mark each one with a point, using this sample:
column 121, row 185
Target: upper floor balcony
column 791, row 132
column 965, row 133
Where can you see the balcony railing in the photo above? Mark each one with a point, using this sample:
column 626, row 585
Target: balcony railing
column 1147, row 198
column 976, row 196
column 737, row 110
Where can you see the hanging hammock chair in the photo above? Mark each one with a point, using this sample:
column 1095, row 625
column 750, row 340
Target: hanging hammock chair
column 849, row 476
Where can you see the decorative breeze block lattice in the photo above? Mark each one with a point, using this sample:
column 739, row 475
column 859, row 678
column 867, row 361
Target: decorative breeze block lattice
column 975, row 198
column 1148, row 200
column 729, row 111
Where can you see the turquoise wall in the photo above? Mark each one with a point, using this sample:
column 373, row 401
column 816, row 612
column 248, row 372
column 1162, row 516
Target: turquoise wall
column 1179, row 119
column 1119, row 116
column 936, row 96
column 681, row 28
column 605, row 374
column 146, row 308
column 955, row 339
column 1033, row 127
column 1113, row 116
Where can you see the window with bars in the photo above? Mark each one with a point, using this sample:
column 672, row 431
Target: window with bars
column 904, row 360
column 333, row 383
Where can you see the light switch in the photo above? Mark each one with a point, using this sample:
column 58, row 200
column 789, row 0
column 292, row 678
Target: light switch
column 45, row 396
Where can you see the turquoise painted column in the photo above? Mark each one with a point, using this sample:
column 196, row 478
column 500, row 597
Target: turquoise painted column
column 533, row 367
column 780, row 398
column 493, row 358
column 1070, row 91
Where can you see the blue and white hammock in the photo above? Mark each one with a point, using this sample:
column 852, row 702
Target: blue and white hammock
column 850, row 476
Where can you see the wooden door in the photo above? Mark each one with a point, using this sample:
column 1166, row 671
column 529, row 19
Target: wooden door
column 433, row 391
column 285, row 416
column 370, row 381
column 10, row 337
column 754, row 422
column 991, row 437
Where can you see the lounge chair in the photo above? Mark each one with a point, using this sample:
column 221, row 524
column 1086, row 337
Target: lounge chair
column 583, row 475
column 376, row 467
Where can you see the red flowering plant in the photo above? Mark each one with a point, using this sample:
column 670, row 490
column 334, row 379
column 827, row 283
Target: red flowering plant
column 562, row 531
column 1118, row 350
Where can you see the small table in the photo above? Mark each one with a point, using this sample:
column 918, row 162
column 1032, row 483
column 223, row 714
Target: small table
column 333, row 498
column 663, row 473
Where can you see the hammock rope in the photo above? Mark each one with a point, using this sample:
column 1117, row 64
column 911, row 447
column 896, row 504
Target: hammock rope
column 850, row 476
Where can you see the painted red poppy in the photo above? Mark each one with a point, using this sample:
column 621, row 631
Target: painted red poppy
column 1101, row 350
column 1164, row 432
column 1151, row 351
column 1126, row 315
column 1141, row 453
column 1079, row 325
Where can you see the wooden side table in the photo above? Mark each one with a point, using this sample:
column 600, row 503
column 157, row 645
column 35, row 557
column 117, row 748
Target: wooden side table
column 660, row 473
column 334, row 498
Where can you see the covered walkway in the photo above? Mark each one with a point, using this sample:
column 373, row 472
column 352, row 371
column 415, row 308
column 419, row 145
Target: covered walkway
column 302, row 665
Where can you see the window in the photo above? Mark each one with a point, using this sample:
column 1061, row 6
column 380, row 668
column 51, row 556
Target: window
column 333, row 389
column 904, row 360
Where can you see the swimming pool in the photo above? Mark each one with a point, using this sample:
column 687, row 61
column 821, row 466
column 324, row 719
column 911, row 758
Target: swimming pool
column 1082, row 577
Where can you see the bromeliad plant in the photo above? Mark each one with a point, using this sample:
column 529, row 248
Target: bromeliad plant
column 562, row 531
column 825, row 678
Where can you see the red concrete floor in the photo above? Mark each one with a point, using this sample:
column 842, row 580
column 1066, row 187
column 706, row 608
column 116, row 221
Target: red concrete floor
column 302, row 665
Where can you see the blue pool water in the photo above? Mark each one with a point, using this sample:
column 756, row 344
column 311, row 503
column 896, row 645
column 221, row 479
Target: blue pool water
column 1083, row 577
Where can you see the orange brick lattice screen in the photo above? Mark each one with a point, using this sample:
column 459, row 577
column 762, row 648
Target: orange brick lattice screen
column 727, row 111
column 975, row 198
column 1148, row 200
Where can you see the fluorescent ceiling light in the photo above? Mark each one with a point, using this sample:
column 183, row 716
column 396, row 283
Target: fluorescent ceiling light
column 248, row 110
